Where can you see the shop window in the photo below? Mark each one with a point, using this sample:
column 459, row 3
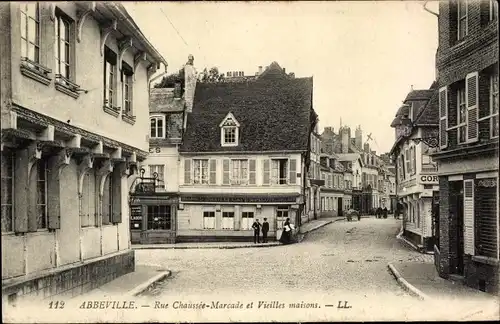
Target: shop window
column 281, row 216
column 7, row 187
column 247, row 220
column 209, row 220
column 228, row 220
column 159, row 217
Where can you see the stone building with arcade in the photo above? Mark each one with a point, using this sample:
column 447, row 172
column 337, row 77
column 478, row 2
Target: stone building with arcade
column 74, row 111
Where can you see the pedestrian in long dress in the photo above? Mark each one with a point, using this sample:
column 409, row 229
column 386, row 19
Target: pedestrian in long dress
column 256, row 231
column 286, row 235
column 265, row 229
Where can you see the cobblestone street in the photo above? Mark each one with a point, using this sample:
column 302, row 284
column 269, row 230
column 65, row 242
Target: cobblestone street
column 341, row 261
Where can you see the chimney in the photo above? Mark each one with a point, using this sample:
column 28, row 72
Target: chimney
column 260, row 70
column 359, row 137
column 345, row 139
column 284, row 71
column 366, row 147
column 177, row 90
column 189, row 83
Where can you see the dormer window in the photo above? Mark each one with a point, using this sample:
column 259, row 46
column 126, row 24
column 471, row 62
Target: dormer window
column 229, row 130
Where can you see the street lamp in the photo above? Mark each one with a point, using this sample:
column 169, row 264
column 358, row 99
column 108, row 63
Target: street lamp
column 431, row 141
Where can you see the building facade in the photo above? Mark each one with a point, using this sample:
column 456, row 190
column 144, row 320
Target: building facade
column 417, row 180
column 467, row 69
column 74, row 125
column 237, row 165
column 314, row 181
column 333, row 191
column 156, row 192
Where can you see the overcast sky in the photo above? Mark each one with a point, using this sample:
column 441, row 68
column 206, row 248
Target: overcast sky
column 364, row 56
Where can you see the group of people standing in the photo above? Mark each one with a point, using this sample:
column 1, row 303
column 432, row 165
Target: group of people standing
column 286, row 235
column 381, row 212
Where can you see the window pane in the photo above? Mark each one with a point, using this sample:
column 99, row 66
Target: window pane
column 32, row 31
column 23, row 25
column 32, row 9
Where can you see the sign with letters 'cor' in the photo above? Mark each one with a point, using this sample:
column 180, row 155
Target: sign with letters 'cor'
column 430, row 179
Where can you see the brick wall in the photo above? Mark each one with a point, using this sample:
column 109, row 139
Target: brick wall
column 444, row 214
column 481, row 276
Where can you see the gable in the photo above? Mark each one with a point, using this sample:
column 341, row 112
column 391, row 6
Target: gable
column 229, row 120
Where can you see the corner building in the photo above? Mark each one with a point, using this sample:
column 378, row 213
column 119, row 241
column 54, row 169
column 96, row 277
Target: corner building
column 467, row 73
column 74, row 107
column 243, row 157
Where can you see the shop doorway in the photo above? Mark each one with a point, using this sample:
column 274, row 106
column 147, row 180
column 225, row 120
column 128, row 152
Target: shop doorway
column 340, row 205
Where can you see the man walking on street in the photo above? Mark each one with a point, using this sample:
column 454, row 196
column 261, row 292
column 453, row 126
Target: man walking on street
column 256, row 230
column 265, row 229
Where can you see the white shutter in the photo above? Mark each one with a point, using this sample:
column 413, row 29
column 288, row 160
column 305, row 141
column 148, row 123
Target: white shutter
column 292, row 178
column 443, row 117
column 225, row 171
column 187, row 171
column 469, row 217
column 252, row 172
column 472, row 98
column 266, row 172
column 213, row 171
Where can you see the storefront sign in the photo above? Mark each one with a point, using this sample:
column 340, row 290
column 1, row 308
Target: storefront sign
column 156, row 149
column 239, row 199
column 136, row 213
column 487, row 183
column 429, row 179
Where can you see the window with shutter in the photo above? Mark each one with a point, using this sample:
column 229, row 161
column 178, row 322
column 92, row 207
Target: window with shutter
column 187, row 171
column 469, row 217
column 252, row 172
column 292, row 178
column 266, row 172
column 225, row 172
column 486, row 217
column 472, row 93
column 213, row 171
column 443, row 117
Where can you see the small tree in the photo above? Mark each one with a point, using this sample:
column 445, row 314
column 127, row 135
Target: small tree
column 211, row 76
column 169, row 81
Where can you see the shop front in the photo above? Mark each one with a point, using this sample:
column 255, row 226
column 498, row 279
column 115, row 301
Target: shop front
column 214, row 217
column 152, row 214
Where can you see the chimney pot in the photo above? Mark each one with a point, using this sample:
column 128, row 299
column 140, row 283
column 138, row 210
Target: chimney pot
column 260, row 69
column 284, row 70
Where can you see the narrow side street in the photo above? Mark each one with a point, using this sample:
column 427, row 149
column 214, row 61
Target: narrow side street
column 341, row 261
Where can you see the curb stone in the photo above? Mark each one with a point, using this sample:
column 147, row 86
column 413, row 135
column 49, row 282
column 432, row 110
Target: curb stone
column 302, row 236
column 406, row 285
column 145, row 285
column 202, row 247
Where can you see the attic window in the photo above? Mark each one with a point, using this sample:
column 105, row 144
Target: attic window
column 229, row 130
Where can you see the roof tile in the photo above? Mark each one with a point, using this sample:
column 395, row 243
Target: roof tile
column 274, row 115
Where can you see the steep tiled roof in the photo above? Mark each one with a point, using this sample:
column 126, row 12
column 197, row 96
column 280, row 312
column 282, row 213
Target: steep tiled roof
column 274, row 115
column 430, row 114
column 162, row 100
column 419, row 95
